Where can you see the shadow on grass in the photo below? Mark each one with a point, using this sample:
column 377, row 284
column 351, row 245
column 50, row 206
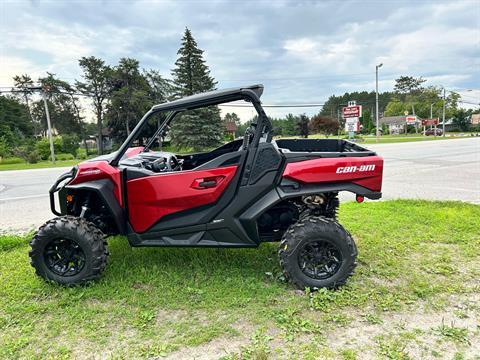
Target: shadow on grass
column 198, row 275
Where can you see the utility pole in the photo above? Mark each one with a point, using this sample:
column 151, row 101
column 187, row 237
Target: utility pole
column 443, row 114
column 431, row 117
column 49, row 124
column 376, row 98
column 338, row 119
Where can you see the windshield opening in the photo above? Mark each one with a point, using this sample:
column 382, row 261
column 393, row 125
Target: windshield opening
column 197, row 130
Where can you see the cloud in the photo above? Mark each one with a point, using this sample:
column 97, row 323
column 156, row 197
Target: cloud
column 12, row 65
column 302, row 51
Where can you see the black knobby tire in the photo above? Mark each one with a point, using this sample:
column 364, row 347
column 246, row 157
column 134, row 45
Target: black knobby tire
column 79, row 240
column 317, row 232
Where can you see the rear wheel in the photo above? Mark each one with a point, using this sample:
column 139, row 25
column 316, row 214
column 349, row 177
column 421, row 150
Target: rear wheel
column 69, row 251
column 317, row 252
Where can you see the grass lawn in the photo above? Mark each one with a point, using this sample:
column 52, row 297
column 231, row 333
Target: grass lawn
column 387, row 139
column 401, row 139
column 415, row 294
column 39, row 165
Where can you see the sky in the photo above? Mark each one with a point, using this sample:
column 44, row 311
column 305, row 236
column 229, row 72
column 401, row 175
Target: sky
column 302, row 51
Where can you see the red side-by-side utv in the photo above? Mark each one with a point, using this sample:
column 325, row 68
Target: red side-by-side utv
column 246, row 192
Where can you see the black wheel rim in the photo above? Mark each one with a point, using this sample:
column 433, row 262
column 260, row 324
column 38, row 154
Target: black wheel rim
column 319, row 259
column 64, row 257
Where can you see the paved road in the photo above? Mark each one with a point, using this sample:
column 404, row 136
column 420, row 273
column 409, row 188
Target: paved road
column 434, row 170
column 440, row 170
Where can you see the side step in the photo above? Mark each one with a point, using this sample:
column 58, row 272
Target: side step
column 203, row 238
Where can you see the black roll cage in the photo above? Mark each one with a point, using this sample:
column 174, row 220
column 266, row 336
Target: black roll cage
column 251, row 94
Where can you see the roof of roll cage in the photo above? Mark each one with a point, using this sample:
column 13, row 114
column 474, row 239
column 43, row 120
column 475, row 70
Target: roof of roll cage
column 210, row 98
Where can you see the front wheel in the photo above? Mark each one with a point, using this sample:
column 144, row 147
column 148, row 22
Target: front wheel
column 69, row 251
column 317, row 252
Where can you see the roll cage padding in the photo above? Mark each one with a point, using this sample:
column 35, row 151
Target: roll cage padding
column 104, row 189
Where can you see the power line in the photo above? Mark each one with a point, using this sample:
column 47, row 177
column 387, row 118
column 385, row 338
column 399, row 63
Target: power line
column 473, row 98
column 469, row 103
column 232, row 105
column 276, row 105
column 293, row 105
column 270, row 78
column 298, row 77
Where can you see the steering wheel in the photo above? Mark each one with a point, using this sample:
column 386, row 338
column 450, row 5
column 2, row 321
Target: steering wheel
column 175, row 164
column 166, row 164
column 158, row 165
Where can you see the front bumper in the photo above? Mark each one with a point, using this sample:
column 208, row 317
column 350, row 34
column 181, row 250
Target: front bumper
column 55, row 188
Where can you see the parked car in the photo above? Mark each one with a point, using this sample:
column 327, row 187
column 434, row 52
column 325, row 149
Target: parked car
column 432, row 131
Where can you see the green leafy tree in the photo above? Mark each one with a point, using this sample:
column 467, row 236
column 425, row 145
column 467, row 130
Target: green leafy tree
column 333, row 106
column 25, row 83
column 396, row 108
column 43, row 146
column 27, row 152
column 289, row 125
column 278, row 125
column 413, row 98
column 407, row 85
column 326, row 125
column 424, row 102
column 15, row 124
column 70, row 144
column 129, row 97
column 196, row 129
column 70, row 91
column 95, row 84
column 303, row 126
column 367, row 120
column 461, row 119
column 451, row 104
column 64, row 106
column 160, row 89
column 4, row 148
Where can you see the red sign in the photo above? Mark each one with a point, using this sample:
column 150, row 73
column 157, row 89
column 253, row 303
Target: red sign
column 430, row 122
column 411, row 120
column 352, row 111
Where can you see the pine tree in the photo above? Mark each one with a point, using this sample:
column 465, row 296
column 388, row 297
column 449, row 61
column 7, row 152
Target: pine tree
column 196, row 129
column 129, row 98
column 96, row 85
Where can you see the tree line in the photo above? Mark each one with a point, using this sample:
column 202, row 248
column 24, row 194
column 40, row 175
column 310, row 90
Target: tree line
column 119, row 95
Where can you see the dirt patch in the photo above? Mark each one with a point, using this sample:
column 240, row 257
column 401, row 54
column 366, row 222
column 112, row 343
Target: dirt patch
column 244, row 327
column 141, row 286
column 198, row 316
column 169, row 316
column 219, row 347
column 415, row 331
column 212, row 350
column 119, row 340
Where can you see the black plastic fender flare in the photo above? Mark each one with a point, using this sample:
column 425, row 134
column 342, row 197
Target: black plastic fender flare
column 104, row 188
column 294, row 190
